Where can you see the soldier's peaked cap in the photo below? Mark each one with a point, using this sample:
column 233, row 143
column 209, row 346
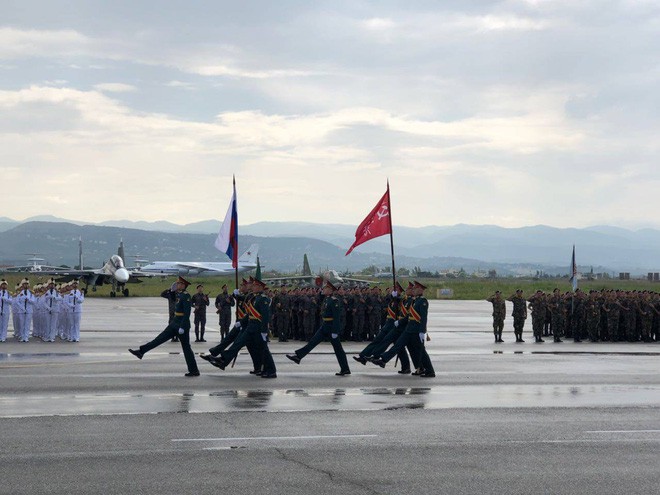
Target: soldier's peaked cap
column 25, row 281
column 419, row 285
column 410, row 285
column 328, row 284
column 3, row 281
column 258, row 283
column 397, row 287
column 183, row 281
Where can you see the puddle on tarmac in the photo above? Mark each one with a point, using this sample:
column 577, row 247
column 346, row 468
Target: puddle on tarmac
column 340, row 399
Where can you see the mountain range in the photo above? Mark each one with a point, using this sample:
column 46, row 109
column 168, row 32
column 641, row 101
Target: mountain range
column 472, row 247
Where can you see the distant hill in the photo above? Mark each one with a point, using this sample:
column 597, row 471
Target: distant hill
column 432, row 248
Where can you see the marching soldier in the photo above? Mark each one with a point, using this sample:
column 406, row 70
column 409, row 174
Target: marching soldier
column 415, row 332
column 199, row 303
column 519, row 314
column 180, row 326
column 170, row 295
column 499, row 314
column 255, row 335
column 223, row 304
column 5, row 309
column 330, row 330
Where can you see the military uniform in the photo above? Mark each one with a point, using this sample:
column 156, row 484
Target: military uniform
column 519, row 314
column 255, row 337
column 223, row 304
column 199, row 303
column 537, row 305
column 330, row 330
column 5, row 309
column 414, row 335
column 180, row 326
column 499, row 314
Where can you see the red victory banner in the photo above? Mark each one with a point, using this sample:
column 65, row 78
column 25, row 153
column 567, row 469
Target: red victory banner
column 377, row 223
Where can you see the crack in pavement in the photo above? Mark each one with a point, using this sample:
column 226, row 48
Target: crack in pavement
column 329, row 474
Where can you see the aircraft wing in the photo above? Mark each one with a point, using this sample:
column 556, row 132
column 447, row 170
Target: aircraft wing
column 359, row 281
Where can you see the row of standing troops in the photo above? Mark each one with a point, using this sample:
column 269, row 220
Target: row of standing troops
column 296, row 313
column 45, row 312
column 606, row 315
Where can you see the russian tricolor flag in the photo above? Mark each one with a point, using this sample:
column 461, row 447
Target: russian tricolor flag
column 227, row 240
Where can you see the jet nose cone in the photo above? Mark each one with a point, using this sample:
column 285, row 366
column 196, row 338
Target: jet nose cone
column 122, row 275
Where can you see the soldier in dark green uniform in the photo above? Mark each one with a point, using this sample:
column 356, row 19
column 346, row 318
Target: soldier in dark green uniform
column 180, row 327
column 255, row 335
column 519, row 313
column 499, row 313
column 330, row 330
column 282, row 307
column 414, row 334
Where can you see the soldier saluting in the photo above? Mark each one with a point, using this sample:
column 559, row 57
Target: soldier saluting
column 519, row 313
column 180, row 326
column 499, row 313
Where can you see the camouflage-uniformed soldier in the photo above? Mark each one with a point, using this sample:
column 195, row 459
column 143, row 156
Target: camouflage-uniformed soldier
column 360, row 315
column 612, row 308
column 577, row 315
column 647, row 312
column 499, row 314
column 199, row 302
column 223, row 304
column 557, row 314
column 282, row 307
column 519, row 313
column 592, row 316
column 537, row 305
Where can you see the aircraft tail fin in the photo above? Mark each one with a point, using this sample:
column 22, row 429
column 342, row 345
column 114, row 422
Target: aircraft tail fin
column 306, row 268
column 120, row 250
column 250, row 256
column 80, row 254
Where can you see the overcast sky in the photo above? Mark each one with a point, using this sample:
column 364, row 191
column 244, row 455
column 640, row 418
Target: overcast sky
column 513, row 113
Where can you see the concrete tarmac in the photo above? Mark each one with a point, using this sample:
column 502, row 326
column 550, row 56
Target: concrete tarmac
column 89, row 417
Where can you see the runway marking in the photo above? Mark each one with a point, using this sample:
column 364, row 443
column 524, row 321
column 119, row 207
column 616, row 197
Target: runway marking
column 303, row 437
column 623, row 431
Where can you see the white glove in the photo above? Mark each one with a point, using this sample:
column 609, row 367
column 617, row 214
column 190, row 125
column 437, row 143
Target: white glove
column 181, row 331
column 237, row 325
column 264, row 336
column 237, row 292
column 422, row 336
column 396, row 323
column 395, row 293
column 334, row 335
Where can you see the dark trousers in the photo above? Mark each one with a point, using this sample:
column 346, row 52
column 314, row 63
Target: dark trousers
column 410, row 340
column 368, row 351
column 325, row 333
column 229, row 339
column 283, row 326
column 224, row 322
column 200, row 325
column 259, row 352
column 391, row 337
column 173, row 331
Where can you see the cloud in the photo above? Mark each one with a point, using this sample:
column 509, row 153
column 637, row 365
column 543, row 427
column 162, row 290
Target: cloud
column 115, row 87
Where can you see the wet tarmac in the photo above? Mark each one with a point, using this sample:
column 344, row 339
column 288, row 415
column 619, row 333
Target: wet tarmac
column 514, row 418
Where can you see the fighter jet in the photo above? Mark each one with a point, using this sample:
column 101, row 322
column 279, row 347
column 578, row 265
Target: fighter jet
column 247, row 262
column 112, row 272
column 308, row 279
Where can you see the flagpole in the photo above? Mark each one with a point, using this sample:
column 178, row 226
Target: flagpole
column 236, row 247
column 389, row 202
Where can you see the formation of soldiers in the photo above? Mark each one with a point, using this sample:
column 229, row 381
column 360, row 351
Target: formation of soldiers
column 597, row 316
column 47, row 311
column 297, row 312
column 397, row 320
